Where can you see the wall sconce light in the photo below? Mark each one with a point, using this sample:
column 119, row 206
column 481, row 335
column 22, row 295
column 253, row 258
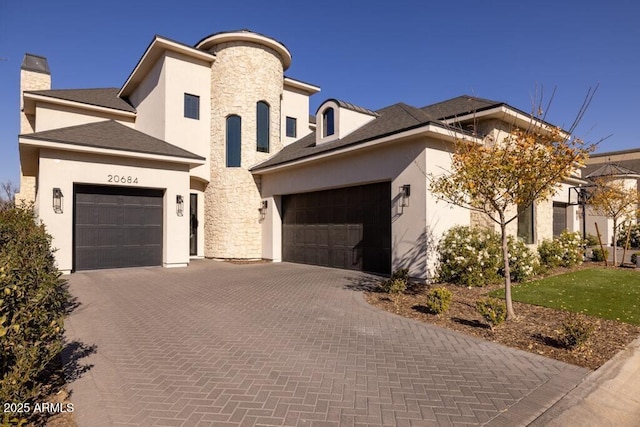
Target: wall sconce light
column 405, row 192
column 58, row 197
column 179, row 205
column 263, row 209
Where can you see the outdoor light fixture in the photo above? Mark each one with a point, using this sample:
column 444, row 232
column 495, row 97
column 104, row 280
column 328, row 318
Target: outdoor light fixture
column 263, row 209
column 179, row 205
column 405, row 192
column 57, row 200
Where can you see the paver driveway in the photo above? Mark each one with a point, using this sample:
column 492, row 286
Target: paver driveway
column 285, row 344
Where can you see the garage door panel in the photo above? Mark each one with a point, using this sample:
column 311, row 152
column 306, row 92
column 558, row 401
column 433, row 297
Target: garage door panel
column 345, row 228
column 117, row 227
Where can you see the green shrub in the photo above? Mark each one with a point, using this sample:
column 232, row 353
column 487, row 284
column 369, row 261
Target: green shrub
column 492, row 310
column 575, row 333
column 592, row 240
column 634, row 259
column 438, row 300
column 634, row 236
column 597, row 254
column 469, row 256
column 33, row 301
column 401, row 274
column 565, row 250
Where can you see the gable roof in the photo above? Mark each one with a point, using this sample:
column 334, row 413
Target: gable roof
column 112, row 135
column 101, row 97
column 459, row 106
column 390, row 120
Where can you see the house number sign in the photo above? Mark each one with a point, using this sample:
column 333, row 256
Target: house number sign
column 122, row 179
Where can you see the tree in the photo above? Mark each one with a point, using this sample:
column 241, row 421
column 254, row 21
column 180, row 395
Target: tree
column 494, row 177
column 612, row 199
column 7, row 192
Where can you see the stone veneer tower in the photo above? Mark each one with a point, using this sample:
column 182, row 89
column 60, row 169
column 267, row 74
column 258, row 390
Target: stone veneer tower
column 248, row 68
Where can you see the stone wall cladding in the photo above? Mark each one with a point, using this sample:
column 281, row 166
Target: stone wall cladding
column 242, row 74
column 29, row 80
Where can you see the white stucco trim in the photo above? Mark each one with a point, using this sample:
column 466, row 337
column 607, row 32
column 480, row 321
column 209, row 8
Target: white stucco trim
column 428, row 130
column 302, row 86
column 29, row 107
column 108, row 152
column 155, row 50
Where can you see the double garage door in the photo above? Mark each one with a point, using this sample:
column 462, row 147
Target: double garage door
column 346, row 228
column 117, row 227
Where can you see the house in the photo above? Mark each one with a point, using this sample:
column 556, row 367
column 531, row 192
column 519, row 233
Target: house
column 209, row 151
column 622, row 167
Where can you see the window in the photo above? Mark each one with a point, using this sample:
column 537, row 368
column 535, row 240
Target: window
column 327, row 122
column 291, row 127
column 559, row 218
column 191, row 106
column 262, row 127
column 526, row 224
column 234, row 141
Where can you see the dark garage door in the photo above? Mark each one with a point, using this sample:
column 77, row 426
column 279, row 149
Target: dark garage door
column 344, row 228
column 117, row 227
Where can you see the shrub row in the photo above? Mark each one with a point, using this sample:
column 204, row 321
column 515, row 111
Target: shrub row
column 33, row 300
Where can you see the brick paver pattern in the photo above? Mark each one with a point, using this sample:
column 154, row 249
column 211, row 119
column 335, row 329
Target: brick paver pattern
column 284, row 344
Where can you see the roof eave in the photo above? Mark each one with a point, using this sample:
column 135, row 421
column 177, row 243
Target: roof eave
column 30, row 99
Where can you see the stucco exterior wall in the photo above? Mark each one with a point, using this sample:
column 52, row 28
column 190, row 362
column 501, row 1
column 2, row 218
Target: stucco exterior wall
column 149, row 101
column 295, row 104
column 242, row 74
column 62, row 169
column 52, row 116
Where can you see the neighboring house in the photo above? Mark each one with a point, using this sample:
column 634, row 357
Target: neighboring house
column 616, row 166
column 210, row 151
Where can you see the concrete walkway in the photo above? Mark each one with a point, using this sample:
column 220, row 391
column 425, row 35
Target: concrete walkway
column 284, row 344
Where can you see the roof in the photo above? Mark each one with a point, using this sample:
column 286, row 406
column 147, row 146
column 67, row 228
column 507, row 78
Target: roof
column 609, row 169
column 101, row 97
column 459, row 106
column 112, row 135
column 390, row 120
column 350, row 106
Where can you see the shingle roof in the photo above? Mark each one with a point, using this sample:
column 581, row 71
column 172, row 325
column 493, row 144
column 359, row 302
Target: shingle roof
column 389, row 120
column 459, row 106
column 101, row 97
column 111, row 135
column 609, row 169
column 353, row 107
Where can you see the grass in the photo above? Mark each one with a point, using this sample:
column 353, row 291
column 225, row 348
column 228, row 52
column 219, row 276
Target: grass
column 606, row 293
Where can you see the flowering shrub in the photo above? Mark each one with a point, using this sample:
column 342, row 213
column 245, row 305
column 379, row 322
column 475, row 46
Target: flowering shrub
column 565, row 250
column 634, row 236
column 473, row 257
column 469, row 256
column 523, row 263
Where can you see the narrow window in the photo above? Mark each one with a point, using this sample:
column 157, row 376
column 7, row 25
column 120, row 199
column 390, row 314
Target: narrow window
column 262, row 127
column 234, row 141
column 526, row 224
column 291, row 127
column 327, row 122
column 191, row 106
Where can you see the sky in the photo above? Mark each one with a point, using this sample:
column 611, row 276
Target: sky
column 369, row 53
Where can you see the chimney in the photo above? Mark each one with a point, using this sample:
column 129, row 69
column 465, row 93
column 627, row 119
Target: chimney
column 34, row 75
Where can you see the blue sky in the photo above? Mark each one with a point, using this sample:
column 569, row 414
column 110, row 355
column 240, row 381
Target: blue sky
column 369, row 53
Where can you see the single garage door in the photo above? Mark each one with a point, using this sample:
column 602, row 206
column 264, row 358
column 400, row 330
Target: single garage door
column 117, row 227
column 343, row 228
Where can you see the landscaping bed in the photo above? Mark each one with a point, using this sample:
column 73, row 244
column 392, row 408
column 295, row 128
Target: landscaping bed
column 536, row 329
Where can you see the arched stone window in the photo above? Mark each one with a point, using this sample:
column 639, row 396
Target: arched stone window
column 262, row 127
column 328, row 125
column 234, row 141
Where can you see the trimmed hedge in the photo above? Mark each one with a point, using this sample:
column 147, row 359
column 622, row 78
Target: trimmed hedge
column 33, row 302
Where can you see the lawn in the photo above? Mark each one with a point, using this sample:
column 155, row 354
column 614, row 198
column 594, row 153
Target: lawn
column 602, row 292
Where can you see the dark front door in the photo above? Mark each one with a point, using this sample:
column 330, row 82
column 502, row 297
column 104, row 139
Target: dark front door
column 193, row 224
column 117, row 227
column 344, row 228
